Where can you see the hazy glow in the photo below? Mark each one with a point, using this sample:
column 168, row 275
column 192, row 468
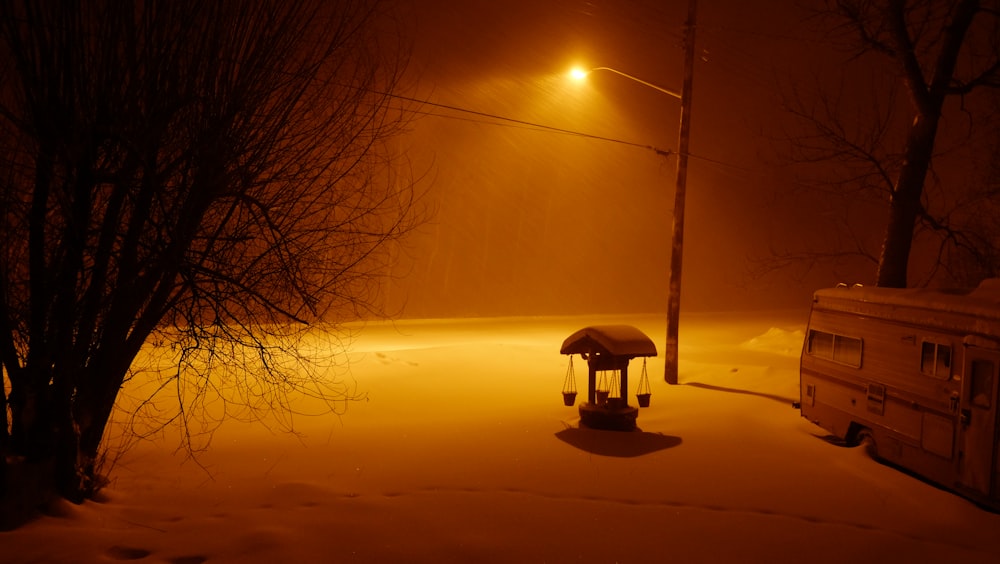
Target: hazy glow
column 535, row 222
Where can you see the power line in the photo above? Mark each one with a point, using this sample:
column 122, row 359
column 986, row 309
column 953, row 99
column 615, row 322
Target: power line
column 538, row 126
column 523, row 123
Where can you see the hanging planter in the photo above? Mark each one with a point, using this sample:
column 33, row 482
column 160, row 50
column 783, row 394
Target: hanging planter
column 644, row 392
column 602, row 392
column 614, row 386
column 615, row 399
column 569, row 385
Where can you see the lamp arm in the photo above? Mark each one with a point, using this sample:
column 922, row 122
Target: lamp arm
column 640, row 81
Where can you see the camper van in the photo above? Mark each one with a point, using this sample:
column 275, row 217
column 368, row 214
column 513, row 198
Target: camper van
column 914, row 374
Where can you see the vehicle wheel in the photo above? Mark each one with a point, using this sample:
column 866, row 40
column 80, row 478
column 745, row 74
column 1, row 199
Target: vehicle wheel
column 866, row 439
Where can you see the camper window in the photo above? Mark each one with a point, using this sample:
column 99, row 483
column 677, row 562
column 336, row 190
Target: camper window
column 981, row 388
column 838, row 348
column 935, row 360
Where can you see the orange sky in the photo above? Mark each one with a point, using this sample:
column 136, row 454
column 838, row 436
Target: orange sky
column 533, row 222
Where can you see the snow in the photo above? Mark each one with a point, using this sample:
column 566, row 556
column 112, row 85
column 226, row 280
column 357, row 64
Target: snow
column 616, row 340
column 463, row 452
column 980, row 303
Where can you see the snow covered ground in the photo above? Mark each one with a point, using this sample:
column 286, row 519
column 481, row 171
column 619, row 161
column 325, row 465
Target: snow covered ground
column 463, row 452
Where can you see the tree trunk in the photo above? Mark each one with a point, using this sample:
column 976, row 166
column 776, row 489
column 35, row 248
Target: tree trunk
column 71, row 479
column 928, row 98
column 3, row 442
column 905, row 202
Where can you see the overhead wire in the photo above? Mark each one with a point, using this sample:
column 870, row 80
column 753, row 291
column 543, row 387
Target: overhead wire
column 513, row 122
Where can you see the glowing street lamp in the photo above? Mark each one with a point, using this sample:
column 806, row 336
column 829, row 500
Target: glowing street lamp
column 680, row 192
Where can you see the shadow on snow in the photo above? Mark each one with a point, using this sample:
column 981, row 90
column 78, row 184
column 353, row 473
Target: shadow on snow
column 775, row 397
column 622, row 444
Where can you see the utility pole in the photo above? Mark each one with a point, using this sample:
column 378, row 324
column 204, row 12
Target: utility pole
column 680, row 194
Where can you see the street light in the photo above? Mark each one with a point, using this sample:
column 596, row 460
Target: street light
column 680, row 192
column 580, row 74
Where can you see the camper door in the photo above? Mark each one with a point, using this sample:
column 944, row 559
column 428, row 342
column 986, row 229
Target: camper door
column 979, row 419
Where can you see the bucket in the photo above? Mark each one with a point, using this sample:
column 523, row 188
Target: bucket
column 643, row 399
column 569, row 398
column 602, row 396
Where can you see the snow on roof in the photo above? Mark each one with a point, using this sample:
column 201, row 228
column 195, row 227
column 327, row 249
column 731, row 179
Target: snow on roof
column 617, row 340
column 981, row 302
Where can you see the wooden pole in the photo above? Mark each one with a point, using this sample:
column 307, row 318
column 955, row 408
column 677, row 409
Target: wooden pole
column 623, row 384
column 680, row 194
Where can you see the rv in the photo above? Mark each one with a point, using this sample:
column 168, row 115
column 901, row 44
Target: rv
column 913, row 373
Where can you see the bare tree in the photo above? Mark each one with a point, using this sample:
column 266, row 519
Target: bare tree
column 972, row 253
column 935, row 52
column 844, row 153
column 212, row 174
